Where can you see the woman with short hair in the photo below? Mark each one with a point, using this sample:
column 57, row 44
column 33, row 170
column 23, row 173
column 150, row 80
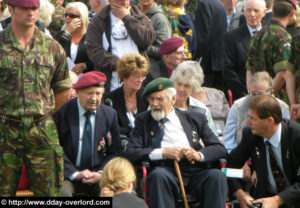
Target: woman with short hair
column 127, row 100
column 187, row 81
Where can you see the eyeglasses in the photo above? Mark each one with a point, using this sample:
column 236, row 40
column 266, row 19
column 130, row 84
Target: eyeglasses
column 72, row 15
column 254, row 93
column 119, row 32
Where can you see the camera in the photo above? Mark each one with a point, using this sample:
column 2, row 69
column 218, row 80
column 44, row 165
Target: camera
column 256, row 205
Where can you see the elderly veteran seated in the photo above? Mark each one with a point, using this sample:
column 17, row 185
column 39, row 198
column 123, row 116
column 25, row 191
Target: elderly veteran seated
column 164, row 134
column 89, row 135
column 172, row 51
column 186, row 82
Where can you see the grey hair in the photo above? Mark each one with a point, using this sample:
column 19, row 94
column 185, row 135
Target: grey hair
column 189, row 72
column 103, row 2
column 170, row 92
column 46, row 11
column 261, row 2
column 261, row 78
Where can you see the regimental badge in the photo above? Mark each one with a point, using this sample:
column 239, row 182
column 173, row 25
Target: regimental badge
column 161, row 86
column 257, row 152
column 194, row 135
column 151, row 133
column 287, row 154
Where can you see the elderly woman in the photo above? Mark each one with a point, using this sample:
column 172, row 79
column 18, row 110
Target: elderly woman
column 127, row 99
column 117, row 181
column 214, row 99
column 186, row 79
column 73, row 38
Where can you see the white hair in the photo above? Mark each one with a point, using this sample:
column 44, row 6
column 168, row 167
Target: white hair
column 170, row 92
column 261, row 2
column 46, row 11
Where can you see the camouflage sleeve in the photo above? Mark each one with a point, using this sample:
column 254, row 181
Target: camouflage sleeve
column 281, row 53
column 294, row 59
column 61, row 77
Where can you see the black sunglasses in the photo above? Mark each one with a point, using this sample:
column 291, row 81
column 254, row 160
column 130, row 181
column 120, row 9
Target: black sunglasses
column 72, row 15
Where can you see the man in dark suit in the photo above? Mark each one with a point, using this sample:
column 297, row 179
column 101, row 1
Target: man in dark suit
column 165, row 134
column 273, row 145
column 89, row 135
column 172, row 52
column 210, row 24
column 236, row 46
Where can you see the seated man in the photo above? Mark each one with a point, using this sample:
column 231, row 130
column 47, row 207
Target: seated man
column 260, row 83
column 172, row 54
column 164, row 134
column 89, row 135
column 273, row 145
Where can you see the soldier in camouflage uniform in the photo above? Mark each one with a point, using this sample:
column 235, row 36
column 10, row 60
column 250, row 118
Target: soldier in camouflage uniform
column 269, row 48
column 57, row 18
column 293, row 76
column 33, row 79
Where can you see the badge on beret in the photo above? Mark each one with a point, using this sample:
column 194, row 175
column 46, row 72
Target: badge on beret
column 161, row 86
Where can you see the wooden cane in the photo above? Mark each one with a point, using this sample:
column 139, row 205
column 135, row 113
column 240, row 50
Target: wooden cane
column 181, row 184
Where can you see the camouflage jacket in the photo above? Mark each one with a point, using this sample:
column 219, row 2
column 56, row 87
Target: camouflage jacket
column 57, row 20
column 269, row 49
column 294, row 60
column 29, row 78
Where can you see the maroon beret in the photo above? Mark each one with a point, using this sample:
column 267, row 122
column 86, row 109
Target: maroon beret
column 170, row 44
column 294, row 3
column 25, row 3
column 89, row 79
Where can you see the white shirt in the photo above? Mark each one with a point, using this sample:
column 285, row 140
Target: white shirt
column 174, row 136
column 82, row 118
column 73, row 51
column 119, row 47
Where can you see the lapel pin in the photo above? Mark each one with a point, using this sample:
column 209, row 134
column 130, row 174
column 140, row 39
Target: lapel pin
column 257, row 152
column 152, row 133
column 298, row 171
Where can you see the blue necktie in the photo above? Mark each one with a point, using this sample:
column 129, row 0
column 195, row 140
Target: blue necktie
column 158, row 137
column 87, row 143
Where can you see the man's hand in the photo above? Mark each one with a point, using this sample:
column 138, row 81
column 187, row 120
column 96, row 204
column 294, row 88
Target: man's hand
column 79, row 68
column 92, row 178
column 120, row 11
column 243, row 198
column 270, row 202
column 191, row 154
column 74, row 24
column 246, row 172
column 295, row 111
column 172, row 153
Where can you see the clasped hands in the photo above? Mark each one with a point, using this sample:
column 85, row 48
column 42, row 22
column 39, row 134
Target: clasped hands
column 177, row 153
column 88, row 177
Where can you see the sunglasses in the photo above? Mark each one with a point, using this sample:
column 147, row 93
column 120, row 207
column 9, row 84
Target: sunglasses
column 72, row 15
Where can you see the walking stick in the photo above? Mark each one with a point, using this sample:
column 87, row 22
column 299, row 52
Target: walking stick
column 181, row 184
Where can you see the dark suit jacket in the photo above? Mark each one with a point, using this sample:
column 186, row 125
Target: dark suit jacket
column 67, row 123
column 195, row 126
column 211, row 26
column 82, row 56
column 118, row 99
column 156, row 70
column 235, row 58
column 253, row 146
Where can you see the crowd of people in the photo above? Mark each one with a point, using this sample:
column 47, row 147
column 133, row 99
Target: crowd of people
column 90, row 89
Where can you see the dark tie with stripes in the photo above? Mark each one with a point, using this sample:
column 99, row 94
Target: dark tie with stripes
column 158, row 137
column 277, row 172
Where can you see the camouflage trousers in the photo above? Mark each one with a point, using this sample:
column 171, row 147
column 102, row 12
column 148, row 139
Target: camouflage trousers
column 37, row 145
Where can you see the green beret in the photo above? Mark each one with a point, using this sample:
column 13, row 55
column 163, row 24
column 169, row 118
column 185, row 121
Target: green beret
column 157, row 85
